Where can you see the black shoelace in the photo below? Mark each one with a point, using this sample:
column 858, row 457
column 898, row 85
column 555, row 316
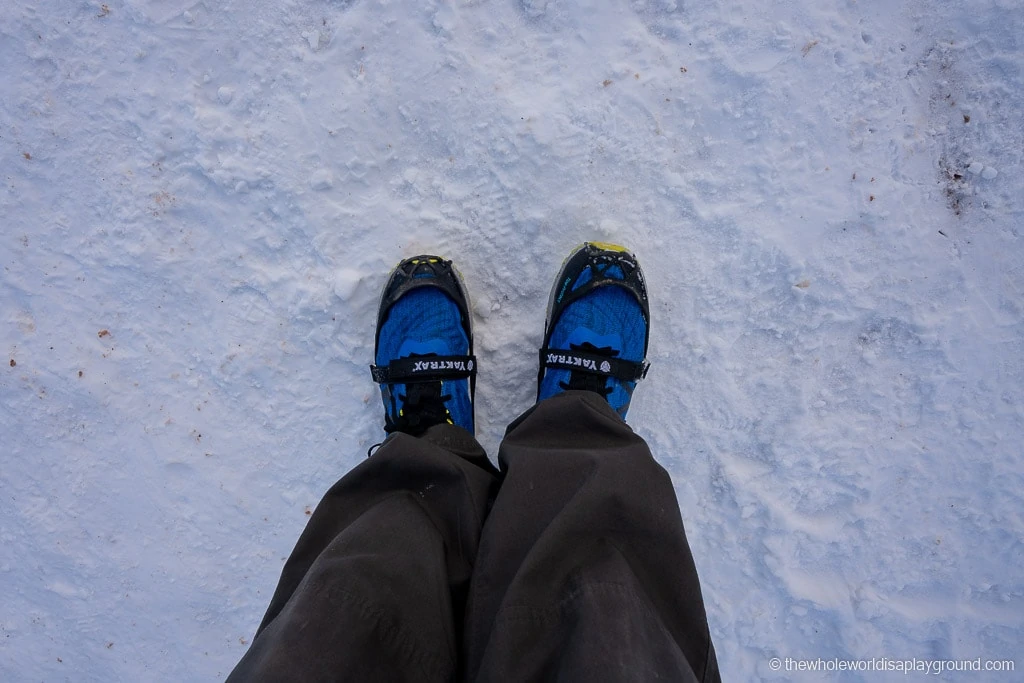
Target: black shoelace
column 587, row 381
column 423, row 406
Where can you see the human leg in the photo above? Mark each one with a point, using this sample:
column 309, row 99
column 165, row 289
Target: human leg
column 375, row 587
column 584, row 570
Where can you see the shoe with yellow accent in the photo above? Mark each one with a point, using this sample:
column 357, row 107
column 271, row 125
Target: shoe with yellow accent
column 423, row 350
column 597, row 329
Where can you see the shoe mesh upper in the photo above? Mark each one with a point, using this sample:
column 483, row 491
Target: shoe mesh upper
column 607, row 317
column 425, row 321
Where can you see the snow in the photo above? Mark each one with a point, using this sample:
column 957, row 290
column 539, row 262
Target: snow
column 201, row 202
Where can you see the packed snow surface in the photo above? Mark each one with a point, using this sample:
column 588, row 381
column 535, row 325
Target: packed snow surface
column 201, row 201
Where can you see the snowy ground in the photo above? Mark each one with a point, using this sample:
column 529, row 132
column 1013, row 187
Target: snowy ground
column 202, row 199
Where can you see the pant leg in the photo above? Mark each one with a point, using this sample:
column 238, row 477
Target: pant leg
column 584, row 572
column 375, row 588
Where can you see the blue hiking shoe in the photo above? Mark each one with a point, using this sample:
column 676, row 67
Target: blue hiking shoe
column 423, row 352
column 596, row 334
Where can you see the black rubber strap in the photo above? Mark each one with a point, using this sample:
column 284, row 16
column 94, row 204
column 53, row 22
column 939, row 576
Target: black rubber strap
column 595, row 364
column 424, row 369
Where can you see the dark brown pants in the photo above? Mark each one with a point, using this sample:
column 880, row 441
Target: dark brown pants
column 424, row 563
